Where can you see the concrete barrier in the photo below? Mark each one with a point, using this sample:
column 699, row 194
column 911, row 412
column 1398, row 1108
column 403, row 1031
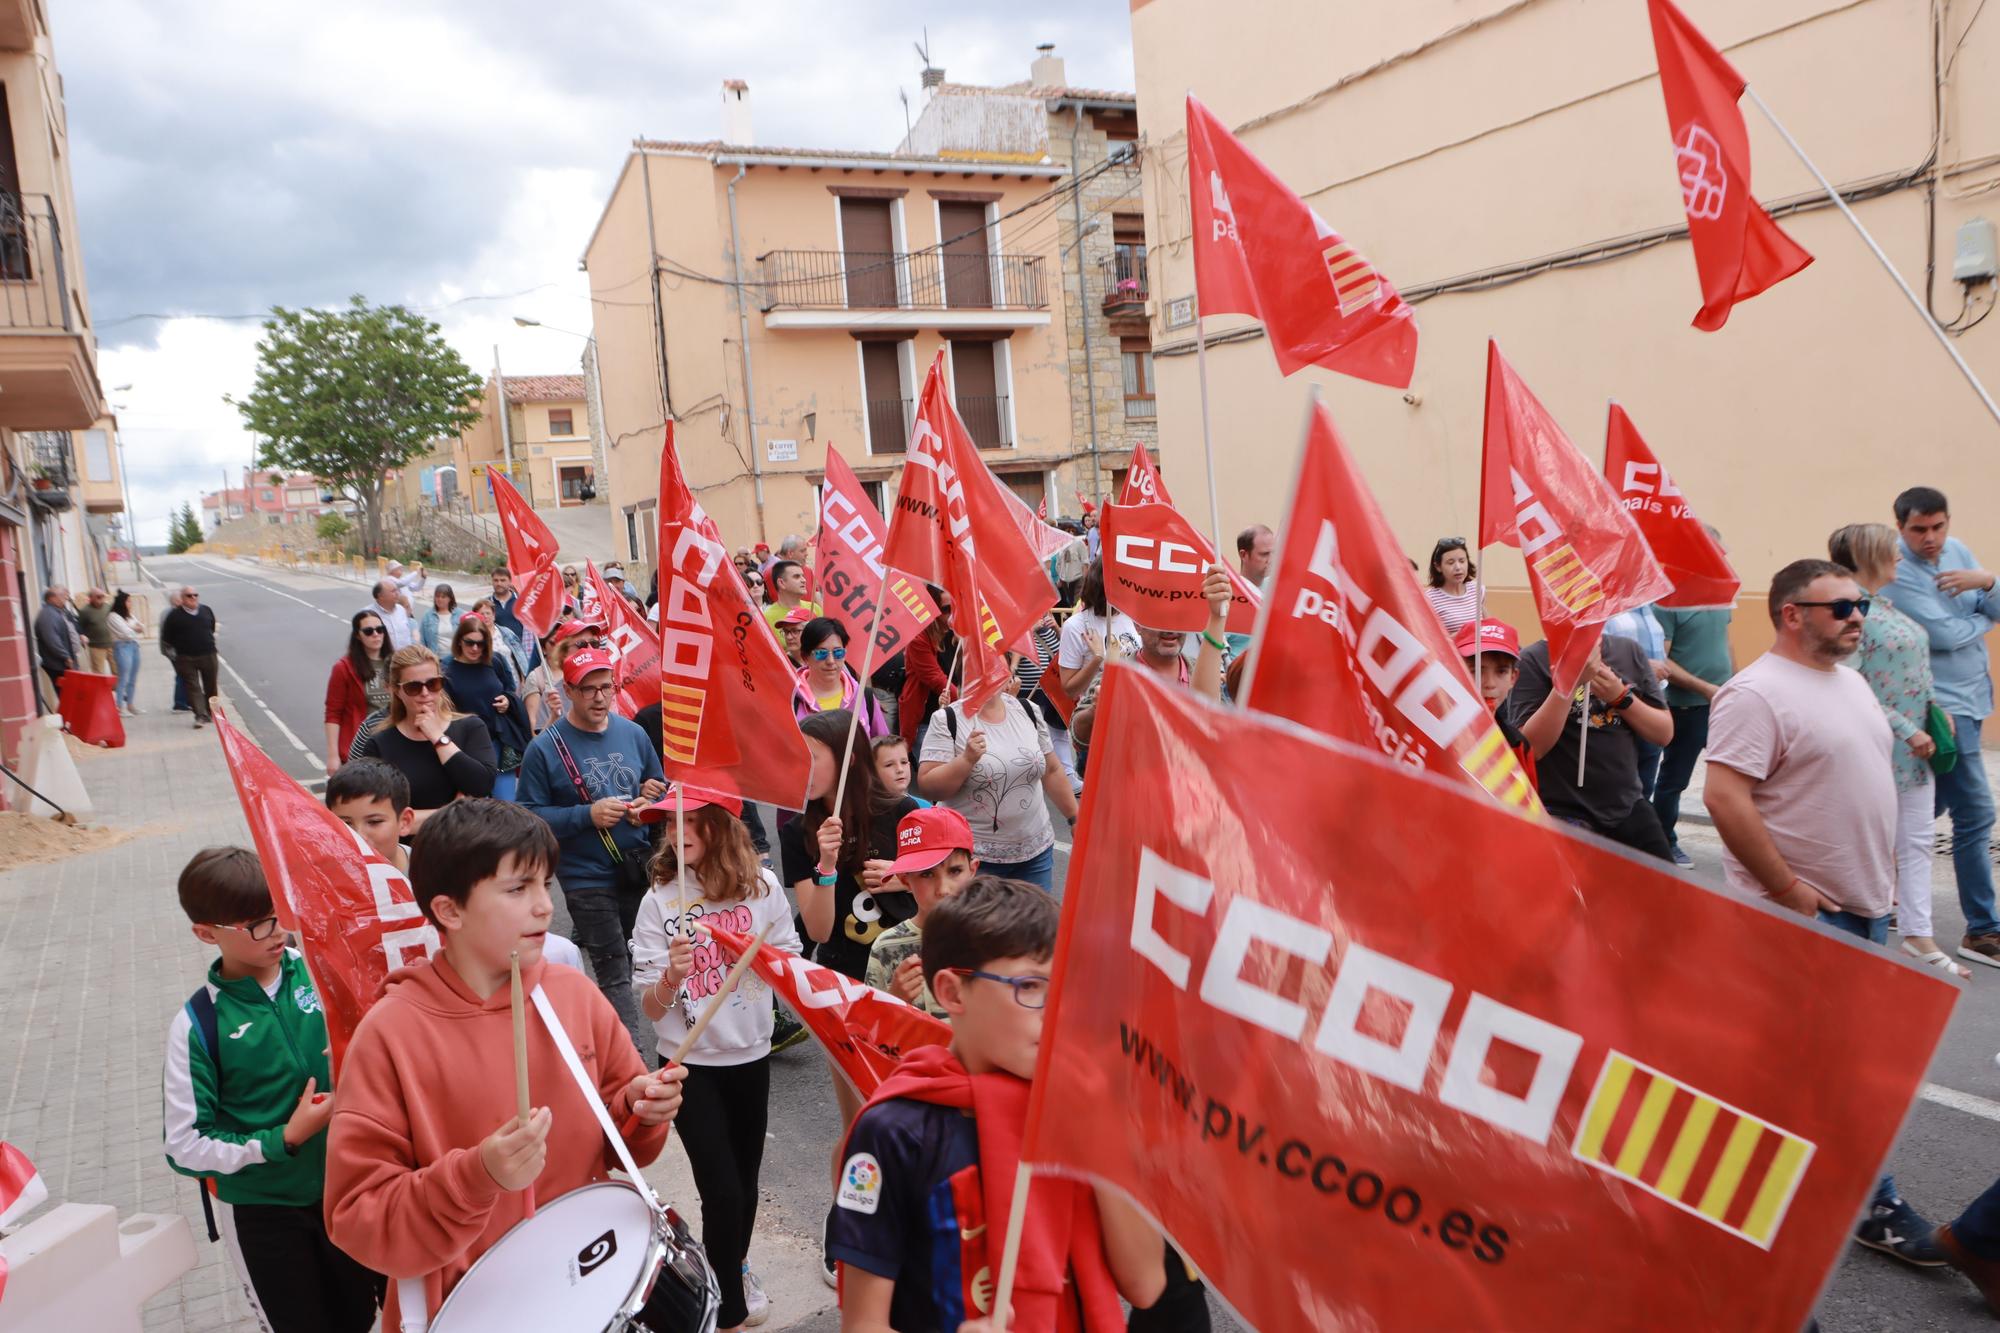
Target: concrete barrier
column 77, row 1269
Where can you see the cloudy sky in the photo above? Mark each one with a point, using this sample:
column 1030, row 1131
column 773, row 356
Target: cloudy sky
column 230, row 155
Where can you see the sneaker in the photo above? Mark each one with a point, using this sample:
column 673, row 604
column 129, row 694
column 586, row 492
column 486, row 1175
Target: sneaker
column 754, row 1299
column 828, row 1273
column 1681, row 858
column 786, row 1031
column 1899, row 1230
column 1980, row 949
column 1985, row 1273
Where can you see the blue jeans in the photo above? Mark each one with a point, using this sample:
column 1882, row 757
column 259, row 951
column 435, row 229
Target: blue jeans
column 1874, row 929
column 1978, row 1227
column 1677, row 765
column 126, row 654
column 1964, row 792
column 504, row 785
column 599, row 931
column 1038, row 870
column 181, row 704
column 1649, row 765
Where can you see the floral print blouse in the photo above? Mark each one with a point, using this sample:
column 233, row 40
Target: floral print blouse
column 1895, row 660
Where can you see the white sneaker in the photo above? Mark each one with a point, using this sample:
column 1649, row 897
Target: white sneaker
column 828, row 1273
column 754, row 1299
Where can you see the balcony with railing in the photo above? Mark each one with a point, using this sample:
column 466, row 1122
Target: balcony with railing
column 890, row 421
column 985, row 417
column 910, row 289
column 47, row 379
column 51, row 468
column 1125, row 284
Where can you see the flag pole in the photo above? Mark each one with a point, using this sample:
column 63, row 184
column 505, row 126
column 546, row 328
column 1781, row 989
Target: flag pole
column 1207, row 442
column 861, row 688
column 1583, row 735
column 1010, row 1252
column 1944, row 339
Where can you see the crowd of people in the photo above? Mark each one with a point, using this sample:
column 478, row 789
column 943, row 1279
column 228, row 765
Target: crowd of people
column 495, row 767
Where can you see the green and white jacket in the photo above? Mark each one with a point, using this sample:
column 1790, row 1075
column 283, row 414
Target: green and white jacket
column 225, row 1109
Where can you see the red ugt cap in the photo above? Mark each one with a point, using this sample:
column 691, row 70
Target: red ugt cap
column 1489, row 636
column 581, row 664
column 926, row 837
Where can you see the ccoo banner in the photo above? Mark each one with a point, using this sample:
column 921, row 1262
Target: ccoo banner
column 1432, row 1065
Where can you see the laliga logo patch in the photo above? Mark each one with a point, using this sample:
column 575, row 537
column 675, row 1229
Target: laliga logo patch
column 592, row 1256
column 1704, row 185
column 306, row 998
column 860, row 1184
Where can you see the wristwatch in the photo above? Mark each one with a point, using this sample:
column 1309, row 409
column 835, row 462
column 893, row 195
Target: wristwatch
column 1625, row 699
column 441, row 742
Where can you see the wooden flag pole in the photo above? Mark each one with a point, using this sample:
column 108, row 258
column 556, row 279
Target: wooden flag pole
column 1944, row 339
column 1010, row 1252
column 715, row 1003
column 860, row 693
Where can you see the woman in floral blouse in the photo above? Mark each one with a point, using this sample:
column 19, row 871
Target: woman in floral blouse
column 1895, row 660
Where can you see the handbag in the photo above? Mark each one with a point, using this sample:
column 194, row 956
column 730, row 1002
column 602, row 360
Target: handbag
column 631, row 875
column 1938, row 724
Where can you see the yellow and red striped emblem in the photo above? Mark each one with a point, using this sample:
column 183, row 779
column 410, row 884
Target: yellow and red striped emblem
column 1568, row 579
column 911, row 600
column 1493, row 766
column 681, row 708
column 1355, row 282
column 1697, row 1152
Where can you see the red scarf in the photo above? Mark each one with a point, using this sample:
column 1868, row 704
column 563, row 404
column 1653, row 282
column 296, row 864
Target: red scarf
column 1062, row 1242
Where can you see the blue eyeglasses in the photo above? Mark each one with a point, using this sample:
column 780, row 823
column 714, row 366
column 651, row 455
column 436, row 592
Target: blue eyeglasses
column 829, row 654
column 1031, row 992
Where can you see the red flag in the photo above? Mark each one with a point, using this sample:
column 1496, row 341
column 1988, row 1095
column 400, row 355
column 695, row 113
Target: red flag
column 1142, row 481
column 356, row 916
column 1694, row 560
column 1154, row 563
column 1349, row 1117
column 1587, row 560
column 531, row 557
column 865, row 1030
column 635, row 647
column 22, row 1189
column 1351, row 649
column 955, row 526
column 848, row 550
column 1738, row 250
column 1259, row 250
column 725, row 688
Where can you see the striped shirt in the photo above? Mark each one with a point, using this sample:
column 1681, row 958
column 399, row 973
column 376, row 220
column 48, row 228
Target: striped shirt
column 1455, row 610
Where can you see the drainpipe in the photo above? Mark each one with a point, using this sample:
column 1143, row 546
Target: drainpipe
column 1082, row 300
column 659, row 309
column 743, row 344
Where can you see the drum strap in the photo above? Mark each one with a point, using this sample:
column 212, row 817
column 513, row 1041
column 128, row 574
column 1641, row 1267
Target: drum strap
column 410, row 1290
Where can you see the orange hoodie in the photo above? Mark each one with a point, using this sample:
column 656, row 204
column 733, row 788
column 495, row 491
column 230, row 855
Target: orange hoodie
column 429, row 1074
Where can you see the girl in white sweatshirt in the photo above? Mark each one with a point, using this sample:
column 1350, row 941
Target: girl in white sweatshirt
column 678, row 969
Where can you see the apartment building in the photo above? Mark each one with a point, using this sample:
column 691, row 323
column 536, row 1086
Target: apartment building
column 1101, row 235
column 775, row 300
column 547, row 431
column 1509, row 167
column 60, row 473
column 278, row 498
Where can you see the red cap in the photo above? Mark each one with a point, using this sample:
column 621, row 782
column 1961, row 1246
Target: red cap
column 693, row 798
column 798, row 615
column 1489, row 636
column 576, row 625
column 581, row 664
column 926, row 837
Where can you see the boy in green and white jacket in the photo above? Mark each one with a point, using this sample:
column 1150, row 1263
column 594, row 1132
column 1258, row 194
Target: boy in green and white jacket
column 247, row 1098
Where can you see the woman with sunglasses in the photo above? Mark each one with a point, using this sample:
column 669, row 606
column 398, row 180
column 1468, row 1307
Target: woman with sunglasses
column 476, row 684
column 357, row 687
column 827, row 683
column 1454, row 585
column 444, row 754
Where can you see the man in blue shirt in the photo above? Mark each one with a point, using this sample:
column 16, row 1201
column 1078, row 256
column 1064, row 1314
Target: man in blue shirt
column 587, row 776
column 1941, row 587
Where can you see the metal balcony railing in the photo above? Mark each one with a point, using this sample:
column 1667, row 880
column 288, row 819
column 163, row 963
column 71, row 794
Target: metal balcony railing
column 34, row 285
column 985, row 417
column 1125, row 276
column 902, row 280
column 889, row 425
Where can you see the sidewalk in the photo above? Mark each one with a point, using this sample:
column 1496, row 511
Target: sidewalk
column 95, row 958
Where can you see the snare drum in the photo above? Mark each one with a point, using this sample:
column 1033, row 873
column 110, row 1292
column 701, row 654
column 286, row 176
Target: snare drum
column 587, row 1261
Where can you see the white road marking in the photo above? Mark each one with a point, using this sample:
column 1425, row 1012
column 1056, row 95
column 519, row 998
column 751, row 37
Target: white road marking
column 1961, row 1101
column 276, row 592
column 276, row 721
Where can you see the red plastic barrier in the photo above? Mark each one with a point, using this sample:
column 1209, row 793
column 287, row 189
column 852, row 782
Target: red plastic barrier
column 91, row 709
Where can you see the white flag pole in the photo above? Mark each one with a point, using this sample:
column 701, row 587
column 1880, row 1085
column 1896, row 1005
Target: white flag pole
column 1010, row 1250
column 1583, row 735
column 1207, row 441
column 861, row 692
column 1944, row 339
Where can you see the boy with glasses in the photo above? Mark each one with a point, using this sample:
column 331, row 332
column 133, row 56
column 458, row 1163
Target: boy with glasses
column 941, row 1139
column 248, row 1093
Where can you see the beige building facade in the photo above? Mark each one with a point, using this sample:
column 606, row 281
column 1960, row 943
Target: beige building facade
column 548, row 429
column 773, row 301
column 1508, row 166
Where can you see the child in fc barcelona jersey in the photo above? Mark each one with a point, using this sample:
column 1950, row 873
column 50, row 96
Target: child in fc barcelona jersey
column 927, row 1175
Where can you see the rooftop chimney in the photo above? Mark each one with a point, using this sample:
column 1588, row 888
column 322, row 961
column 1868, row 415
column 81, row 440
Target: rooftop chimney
column 931, row 77
column 1047, row 71
column 736, row 113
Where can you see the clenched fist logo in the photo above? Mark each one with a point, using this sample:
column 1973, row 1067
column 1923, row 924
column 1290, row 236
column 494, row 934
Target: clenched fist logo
column 1704, row 184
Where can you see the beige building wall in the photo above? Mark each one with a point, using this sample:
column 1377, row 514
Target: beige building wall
column 542, row 453
column 1537, row 131
column 805, row 358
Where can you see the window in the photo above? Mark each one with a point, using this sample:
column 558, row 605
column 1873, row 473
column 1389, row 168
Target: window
column 976, row 383
column 1128, row 255
column 267, row 495
column 97, row 456
column 1138, row 354
column 561, row 421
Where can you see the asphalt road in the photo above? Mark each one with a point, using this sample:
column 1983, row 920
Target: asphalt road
column 280, row 633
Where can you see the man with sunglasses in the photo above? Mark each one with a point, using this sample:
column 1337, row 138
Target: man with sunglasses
column 1801, row 788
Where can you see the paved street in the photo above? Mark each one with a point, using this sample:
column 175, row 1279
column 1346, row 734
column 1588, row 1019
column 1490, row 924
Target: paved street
column 95, row 957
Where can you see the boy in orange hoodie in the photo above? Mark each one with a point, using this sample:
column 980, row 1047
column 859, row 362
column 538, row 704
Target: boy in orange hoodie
column 942, row 1137
column 427, row 1163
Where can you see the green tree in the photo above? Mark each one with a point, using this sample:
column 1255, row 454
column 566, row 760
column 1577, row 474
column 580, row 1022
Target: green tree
column 331, row 527
column 350, row 395
column 184, row 531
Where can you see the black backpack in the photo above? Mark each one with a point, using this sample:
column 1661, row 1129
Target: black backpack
column 201, row 1008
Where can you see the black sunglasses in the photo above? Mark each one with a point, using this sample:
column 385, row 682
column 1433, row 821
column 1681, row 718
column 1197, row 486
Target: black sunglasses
column 371, row 630
column 1842, row 607
column 414, row 688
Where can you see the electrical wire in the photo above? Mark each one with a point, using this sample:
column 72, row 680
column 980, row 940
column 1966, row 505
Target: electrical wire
column 263, row 315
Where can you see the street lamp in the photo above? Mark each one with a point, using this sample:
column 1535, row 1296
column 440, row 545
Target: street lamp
column 125, row 485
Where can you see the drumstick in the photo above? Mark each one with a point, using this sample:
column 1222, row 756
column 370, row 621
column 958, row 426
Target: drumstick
column 520, row 1041
column 721, row 994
